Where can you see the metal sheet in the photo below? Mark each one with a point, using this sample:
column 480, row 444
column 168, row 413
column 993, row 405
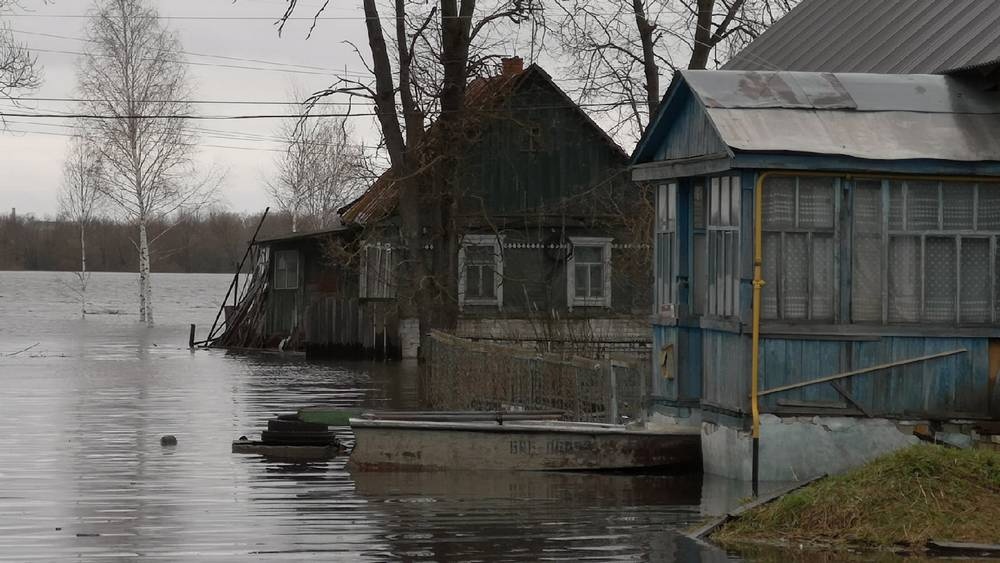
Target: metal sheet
column 825, row 91
column 888, row 36
column 871, row 135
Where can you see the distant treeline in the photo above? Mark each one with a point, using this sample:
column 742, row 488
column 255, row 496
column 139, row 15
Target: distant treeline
column 211, row 242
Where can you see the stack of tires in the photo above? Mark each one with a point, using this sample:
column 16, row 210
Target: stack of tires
column 290, row 430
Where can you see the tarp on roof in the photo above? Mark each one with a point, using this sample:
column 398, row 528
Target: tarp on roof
column 878, row 36
column 879, row 117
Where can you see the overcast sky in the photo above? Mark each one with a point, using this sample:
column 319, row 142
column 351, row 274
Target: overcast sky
column 32, row 150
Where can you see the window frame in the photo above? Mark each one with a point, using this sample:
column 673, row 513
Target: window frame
column 572, row 301
column 495, row 241
column 283, row 286
column 665, row 274
column 723, row 248
column 386, row 267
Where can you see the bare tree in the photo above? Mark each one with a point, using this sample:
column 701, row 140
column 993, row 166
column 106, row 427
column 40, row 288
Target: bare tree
column 620, row 49
column 80, row 200
column 133, row 72
column 421, row 65
column 18, row 67
column 319, row 172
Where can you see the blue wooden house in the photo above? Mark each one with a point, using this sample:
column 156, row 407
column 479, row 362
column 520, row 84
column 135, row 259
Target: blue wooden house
column 823, row 226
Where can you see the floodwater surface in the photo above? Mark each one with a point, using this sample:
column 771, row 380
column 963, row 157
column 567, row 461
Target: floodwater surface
column 84, row 403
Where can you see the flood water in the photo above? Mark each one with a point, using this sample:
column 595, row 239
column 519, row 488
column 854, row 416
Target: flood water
column 83, row 474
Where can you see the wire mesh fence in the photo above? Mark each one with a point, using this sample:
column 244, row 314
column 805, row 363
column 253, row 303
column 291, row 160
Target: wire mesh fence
column 465, row 375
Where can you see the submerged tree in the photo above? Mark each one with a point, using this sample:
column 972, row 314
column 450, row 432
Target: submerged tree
column 80, row 200
column 18, row 68
column 133, row 77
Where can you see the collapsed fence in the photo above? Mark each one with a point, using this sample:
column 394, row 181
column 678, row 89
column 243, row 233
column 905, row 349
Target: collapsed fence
column 464, row 375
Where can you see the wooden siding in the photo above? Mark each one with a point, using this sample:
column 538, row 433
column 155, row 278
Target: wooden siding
column 690, row 134
column 349, row 327
column 536, row 154
column 677, row 361
column 954, row 386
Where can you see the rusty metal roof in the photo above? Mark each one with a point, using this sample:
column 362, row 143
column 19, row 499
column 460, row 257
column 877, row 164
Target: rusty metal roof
column 287, row 237
column 879, row 36
column 878, row 117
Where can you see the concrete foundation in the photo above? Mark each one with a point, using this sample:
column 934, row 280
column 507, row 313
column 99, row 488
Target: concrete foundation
column 409, row 338
column 799, row 448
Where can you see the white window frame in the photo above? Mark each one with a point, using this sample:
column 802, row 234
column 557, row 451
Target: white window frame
column 481, row 240
column 385, row 288
column 298, row 270
column 666, row 258
column 571, row 299
column 722, row 242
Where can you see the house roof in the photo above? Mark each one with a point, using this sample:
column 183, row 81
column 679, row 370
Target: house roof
column 481, row 94
column 288, row 237
column 883, row 36
column 869, row 116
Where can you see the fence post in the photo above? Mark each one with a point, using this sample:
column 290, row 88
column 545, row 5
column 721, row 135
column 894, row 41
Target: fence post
column 613, row 403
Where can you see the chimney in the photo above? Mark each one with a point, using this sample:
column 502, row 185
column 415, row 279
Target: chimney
column 512, row 66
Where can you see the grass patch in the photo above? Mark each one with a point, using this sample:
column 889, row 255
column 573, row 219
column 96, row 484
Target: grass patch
column 901, row 500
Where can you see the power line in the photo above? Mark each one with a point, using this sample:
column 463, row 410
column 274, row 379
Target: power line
column 195, row 102
column 168, row 117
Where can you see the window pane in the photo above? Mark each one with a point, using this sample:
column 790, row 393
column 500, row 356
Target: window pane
column 823, row 278
column 713, row 202
column 975, row 289
column 479, row 254
column 698, row 204
column 698, row 284
column 779, row 203
column 661, row 206
column 734, row 201
column 904, row 279
column 596, row 281
column 664, row 268
column 488, row 281
column 473, row 287
column 588, row 254
column 816, row 202
column 866, row 298
column 724, row 203
column 713, row 269
column 958, row 200
column 922, row 206
column 989, row 207
column 732, row 287
column 896, row 210
column 581, row 276
column 939, row 273
column 796, row 270
column 772, row 257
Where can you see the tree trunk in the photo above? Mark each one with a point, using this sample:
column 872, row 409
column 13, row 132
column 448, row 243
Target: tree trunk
column 145, row 285
column 648, row 57
column 702, row 36
column 83, row 272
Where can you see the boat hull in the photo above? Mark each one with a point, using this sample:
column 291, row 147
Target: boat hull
column 390, row 445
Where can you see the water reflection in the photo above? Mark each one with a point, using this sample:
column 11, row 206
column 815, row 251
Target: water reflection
column 82, row 472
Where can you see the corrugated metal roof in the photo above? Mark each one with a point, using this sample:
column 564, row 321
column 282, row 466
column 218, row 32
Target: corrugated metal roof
column 302, row 235
column 878, row 36
column 880, row 117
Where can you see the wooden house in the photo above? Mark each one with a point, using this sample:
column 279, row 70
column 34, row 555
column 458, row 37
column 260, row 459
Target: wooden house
column 546, row 255
column 812, row 225
column 827, row 245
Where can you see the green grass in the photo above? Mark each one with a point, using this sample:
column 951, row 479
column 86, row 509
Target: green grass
column 898, row 501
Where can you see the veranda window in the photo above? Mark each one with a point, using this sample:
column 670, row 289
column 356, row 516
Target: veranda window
column 481, row 271
column 377, row 275
column 800, row 239
column 589, row 272
column 666, row 235
column 723, row 241
column 286, row 269
column 936, row 260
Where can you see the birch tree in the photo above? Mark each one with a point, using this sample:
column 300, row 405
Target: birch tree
column 132, row 75
column 18, row 67
column 80, row 200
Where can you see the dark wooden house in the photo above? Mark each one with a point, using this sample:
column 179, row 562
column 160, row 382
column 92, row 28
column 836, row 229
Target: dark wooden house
column 828, row 243
column 546, row 254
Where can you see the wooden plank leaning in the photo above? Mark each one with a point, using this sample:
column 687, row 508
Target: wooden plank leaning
column 852, row 373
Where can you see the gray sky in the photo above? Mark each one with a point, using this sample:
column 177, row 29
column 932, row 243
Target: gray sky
column 32, row 150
